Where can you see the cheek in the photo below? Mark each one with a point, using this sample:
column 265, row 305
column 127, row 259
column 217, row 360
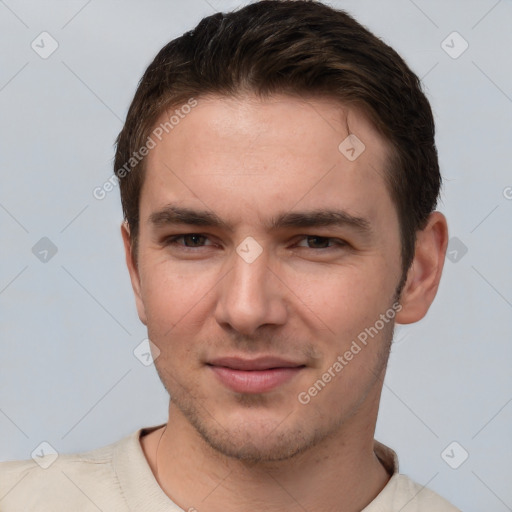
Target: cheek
column 175, row 309
column 344, row 298
column 173, row 298
column 340, row 300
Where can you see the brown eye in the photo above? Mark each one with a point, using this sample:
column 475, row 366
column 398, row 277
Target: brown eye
column 190, row 240
column 321, row 242
column 193, row 240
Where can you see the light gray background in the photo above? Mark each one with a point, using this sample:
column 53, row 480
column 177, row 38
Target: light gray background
column 69, row 326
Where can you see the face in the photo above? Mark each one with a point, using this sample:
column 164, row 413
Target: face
column 264, row 255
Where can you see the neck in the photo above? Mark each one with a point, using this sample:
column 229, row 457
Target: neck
column 340, row 473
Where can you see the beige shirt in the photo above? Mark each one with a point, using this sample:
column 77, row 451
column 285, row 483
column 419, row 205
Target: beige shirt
column 118, row 478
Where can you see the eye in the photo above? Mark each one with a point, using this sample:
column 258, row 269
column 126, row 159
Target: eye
column 321, row 242
column 190, row 240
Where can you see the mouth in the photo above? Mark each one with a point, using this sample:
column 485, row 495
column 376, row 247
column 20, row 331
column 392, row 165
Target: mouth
column 254, row 375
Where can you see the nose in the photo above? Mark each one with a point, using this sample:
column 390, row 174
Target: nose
column 251, row 295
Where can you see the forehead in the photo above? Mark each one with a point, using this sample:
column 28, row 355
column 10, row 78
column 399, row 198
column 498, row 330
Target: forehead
column 250, row 154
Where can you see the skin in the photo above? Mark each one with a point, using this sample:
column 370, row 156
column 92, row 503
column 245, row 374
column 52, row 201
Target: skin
column 304, row 298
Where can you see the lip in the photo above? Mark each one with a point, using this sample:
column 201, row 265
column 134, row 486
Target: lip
column 254, row 375
column 259, row 363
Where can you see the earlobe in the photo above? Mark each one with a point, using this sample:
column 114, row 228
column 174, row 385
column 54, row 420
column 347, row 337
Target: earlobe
column 425, row 272
column 133, row 271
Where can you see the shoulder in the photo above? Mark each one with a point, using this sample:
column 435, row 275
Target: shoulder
column 405, row 495
column 79, row 481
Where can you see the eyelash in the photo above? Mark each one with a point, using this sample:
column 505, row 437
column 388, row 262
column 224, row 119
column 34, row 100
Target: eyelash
column 337, row 242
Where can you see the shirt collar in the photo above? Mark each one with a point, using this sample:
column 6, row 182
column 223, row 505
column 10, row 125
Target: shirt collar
column 142, row 491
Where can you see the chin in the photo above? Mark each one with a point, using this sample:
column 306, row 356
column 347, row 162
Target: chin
column 257, row 447
column 256, row 437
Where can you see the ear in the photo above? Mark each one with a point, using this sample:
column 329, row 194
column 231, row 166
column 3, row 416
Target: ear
column 425, row 272
column 134, row 271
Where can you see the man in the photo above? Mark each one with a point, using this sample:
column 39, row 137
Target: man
column 279, row 179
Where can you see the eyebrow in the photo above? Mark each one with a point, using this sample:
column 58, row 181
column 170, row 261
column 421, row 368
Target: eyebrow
column 172, row 214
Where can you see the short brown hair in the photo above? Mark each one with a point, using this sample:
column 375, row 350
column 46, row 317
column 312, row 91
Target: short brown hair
column 295, row 47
